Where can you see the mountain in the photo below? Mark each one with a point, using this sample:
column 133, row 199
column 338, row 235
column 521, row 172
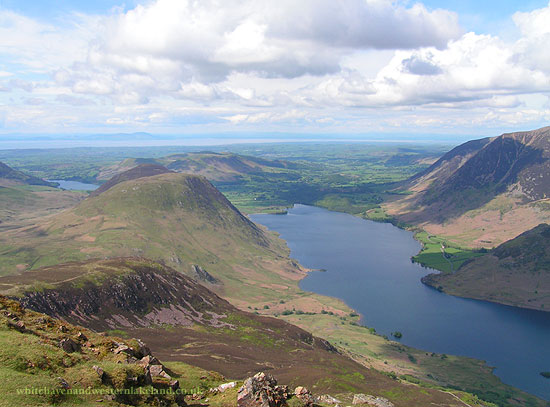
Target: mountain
column 214, row 166
column 516, row 273
column 483, row 192
column 181, row 220
column 184, row 324
column 141, row 171
column 11, row 177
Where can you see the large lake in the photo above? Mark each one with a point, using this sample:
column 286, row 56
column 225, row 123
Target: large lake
column 368, row 265
column 75, row 185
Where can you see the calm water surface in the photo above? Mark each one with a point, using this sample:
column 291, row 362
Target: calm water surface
column 368, row 266
column 75, row 185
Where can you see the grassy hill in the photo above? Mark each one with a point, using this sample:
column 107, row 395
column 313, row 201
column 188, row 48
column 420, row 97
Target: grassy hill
column 11, row 177
column 515, row 273
column 179, row 219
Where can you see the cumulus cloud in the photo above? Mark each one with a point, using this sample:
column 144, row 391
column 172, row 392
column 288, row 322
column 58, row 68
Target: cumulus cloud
column 248, row 62
column 182, row 47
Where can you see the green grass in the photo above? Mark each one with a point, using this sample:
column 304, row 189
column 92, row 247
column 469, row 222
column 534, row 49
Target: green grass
column 437, row 253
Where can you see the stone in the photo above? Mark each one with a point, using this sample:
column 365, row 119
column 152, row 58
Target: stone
column 158, row 371
column 174, row 385
column 327, row 399
column 282, row 392
column 123, row 349
column 147, row 361
column 69, row 346
column 63, row 383
column 81, row 337
column 259, row 391
column 223, row 387
column 100, row 372
column 371, row 400
column 142, row 350
column 304, row 395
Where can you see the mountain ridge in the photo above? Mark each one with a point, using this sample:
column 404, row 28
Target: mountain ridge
column 476, row 194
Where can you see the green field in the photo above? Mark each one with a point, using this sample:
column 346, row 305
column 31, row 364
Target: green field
column 437, row 253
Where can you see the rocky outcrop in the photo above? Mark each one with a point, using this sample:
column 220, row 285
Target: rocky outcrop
column 202, row 275
column 261, row 390
column 371, row 400
column 304, row 395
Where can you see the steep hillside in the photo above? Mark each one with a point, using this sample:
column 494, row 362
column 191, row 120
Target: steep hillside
column 483, row 192
column 515, row 273
column 183, row 321
column 11, row 177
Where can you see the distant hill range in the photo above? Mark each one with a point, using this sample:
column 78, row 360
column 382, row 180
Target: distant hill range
column 11, row 177
column 515, row 273
column 141, row 171
column 214, row 166
column 483, row 192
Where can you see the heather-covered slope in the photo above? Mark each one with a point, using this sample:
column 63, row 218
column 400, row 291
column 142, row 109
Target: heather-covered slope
column 182, row 321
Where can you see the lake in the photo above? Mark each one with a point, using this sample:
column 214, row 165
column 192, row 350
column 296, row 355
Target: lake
column 368, row 265
column 74, row 185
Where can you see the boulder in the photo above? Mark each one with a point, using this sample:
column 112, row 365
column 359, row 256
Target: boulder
column 260, row 391
column 142, row 350
column 158, row 371
column 147, row 361
column 123, row 349
column 69, row 346
column 371, row 400
column 304, row 395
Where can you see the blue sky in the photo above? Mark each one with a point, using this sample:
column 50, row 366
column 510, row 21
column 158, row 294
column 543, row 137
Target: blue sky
column 318, row 67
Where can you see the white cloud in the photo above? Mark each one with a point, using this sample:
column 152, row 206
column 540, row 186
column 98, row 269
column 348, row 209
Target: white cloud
column 339, row 64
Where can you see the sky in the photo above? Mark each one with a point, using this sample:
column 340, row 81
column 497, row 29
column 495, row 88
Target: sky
column 324, row 68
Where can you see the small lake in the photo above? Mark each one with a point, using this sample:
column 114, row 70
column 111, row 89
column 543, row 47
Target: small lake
column 368, row 265
column 74, row 185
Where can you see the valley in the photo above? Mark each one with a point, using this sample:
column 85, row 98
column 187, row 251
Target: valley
column 152, row 208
